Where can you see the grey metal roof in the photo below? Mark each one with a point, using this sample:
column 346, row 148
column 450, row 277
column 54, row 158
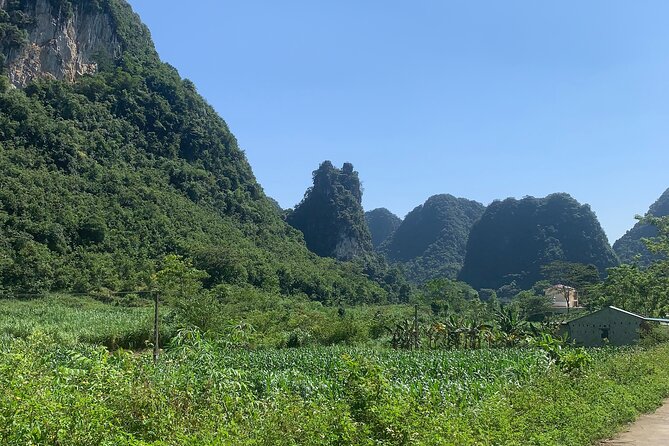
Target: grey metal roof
column 656, row 319
column 651, row 319
column 626, row 312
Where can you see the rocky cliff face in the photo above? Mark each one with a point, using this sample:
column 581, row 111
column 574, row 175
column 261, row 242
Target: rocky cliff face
column 331, row 217
column 57, row 40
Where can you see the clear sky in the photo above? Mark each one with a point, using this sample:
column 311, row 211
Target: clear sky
column 479, row 99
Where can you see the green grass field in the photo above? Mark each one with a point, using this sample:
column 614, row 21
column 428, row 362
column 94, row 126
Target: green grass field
column 70, row 320
column 61, row 386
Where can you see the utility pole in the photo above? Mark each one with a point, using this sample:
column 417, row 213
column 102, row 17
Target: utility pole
column 156, row 336
column 415, row 327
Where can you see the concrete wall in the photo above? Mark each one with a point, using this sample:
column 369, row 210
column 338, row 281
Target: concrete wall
column 622, row 328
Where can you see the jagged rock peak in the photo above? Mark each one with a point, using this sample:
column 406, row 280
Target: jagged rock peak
column 61, row 39
column 331, row 216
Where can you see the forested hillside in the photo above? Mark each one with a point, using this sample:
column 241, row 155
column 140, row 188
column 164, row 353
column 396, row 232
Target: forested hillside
column 515, row 238
column 331, row 216
column 382, row 224
column 431, row 240
column 630, row 245
column 104, row 176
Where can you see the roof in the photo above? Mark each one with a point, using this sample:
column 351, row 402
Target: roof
column 559, row 286
column 629, row 313
column 656, row 319
column 626, row 312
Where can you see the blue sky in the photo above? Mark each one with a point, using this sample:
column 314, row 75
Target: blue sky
column 480, row 99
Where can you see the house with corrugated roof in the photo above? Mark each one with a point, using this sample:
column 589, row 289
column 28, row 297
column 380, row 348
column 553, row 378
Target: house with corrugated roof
column 608, row 326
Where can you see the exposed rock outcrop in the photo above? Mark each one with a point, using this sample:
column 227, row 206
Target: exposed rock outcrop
column 64, row 41
column 331, row 217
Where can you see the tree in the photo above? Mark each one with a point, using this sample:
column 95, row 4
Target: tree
column 181, row 284
column 532, row 306
column 638, row 289
column 575, row 275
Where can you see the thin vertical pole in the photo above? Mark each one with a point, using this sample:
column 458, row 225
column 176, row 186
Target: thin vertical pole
column 156, row 339
column 415, row 327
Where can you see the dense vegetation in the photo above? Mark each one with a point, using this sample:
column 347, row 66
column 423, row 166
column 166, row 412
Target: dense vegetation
column 515, row 238
column 431, row 240
column 104, row 177
column 382, row 224
column 205, row 392
column 331, row 216
column 631, row 245
column 638, row 288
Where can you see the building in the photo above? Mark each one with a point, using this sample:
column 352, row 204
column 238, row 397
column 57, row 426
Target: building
column 563, row 297
column 608, row 326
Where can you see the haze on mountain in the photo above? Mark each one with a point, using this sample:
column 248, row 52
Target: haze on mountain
column 382, row 224
column 111, row 161
column 630, row 247
column 515, row 238
column 430, row 242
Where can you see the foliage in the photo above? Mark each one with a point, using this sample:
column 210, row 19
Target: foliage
column 382, row 224
column 69, row 320
column 330, row 216
column 532, row 306
column 638, row 289
column 515, row 238
column 630, row 248
column 575, row 275
column 105, row 177
column 431, row 240
column 202, row 392
column 570, row 360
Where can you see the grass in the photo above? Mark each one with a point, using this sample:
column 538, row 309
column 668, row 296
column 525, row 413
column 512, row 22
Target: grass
column 70, row 320
column 62, row 387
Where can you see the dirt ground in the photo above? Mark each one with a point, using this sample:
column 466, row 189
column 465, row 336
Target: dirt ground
column 652, row 429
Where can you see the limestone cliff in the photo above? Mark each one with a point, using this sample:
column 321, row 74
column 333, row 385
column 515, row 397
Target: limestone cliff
column 331, row 216
column 55, row 39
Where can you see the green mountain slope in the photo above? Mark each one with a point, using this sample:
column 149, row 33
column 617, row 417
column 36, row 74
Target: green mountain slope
column 330, row 216
column 514, row 238
column 431, row 240
column 630, row 245
column 104, row 176
column 382, row 224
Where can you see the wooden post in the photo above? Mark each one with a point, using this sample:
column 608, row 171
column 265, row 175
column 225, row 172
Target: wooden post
column 415, row 327
column 156, row 337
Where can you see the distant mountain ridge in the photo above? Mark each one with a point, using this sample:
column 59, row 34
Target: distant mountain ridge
column 382, row 224
column 630, row 245
column 514, row 238
column 431, row 240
